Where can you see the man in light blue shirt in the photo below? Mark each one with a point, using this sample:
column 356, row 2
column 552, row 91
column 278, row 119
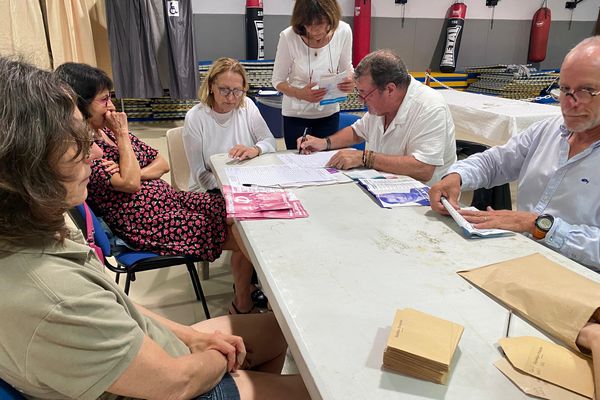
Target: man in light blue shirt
column 556, row 163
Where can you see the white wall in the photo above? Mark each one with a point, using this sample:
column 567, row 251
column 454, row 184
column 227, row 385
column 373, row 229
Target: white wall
column 476, row 9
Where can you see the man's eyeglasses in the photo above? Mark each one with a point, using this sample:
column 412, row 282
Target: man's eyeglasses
column 104, row 100
column 361, row 97
column 226, row 92
column 581, row 96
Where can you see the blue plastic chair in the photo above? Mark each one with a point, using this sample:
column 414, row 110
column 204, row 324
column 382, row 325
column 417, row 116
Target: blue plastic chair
column 8, row 392
column 130, row 262
column 347, row 119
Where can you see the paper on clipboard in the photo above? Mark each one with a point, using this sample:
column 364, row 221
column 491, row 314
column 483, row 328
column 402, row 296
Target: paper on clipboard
column 330, row 82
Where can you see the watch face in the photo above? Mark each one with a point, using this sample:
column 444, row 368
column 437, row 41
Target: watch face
column 545, row 223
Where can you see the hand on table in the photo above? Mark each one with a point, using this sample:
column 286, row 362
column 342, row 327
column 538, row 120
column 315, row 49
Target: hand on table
column 346, row 159
column 241, row 152
column 448, row 187
column 516, row 221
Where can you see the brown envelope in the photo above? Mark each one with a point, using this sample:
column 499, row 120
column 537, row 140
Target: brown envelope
column 550, row 362
column 557, row 300
column 534, row 386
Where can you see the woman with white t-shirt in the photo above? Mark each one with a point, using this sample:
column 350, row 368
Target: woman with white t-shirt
column 315, row 46
column 225, row 121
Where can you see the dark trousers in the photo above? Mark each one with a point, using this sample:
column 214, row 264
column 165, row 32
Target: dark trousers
column 294, row 127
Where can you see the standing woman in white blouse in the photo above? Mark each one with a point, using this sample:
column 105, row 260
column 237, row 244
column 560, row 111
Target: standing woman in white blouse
column 317, row 44
column 225, row 121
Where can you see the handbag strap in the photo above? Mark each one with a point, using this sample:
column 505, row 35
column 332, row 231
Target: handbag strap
column 89, row 224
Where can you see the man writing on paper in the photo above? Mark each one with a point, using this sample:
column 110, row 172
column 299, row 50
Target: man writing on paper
column 556, row 163
column 408, row 128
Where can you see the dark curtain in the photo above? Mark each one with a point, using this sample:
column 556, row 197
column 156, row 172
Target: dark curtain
column 132, row 33
column 182, row 65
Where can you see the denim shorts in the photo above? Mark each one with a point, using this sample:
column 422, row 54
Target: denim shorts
column 225, row 390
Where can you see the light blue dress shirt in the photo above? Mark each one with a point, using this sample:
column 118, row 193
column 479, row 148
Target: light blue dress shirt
column 548, row 183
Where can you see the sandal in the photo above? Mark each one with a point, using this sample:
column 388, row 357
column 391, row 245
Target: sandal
column 234, row 310
column 259, row 299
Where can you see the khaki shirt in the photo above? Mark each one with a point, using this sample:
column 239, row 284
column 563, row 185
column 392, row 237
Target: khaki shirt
column 68, row 330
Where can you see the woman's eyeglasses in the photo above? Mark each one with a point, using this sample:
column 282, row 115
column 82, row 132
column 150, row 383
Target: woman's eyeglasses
column 104, row 100
column 226, row 92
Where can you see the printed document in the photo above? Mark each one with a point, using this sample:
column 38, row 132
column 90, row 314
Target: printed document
column 313, row 160
column 400, row 192
column 276, row 175
column 468, row 229
column 330, row 82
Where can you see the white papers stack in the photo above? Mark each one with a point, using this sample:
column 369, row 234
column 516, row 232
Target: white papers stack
column 318, row 159
column 277, row 176
column 398, row 192
column 468, row 229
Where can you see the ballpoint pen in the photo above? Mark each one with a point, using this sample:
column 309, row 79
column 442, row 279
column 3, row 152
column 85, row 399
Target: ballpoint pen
column 302, row 140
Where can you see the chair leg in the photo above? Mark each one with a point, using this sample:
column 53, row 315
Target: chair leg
column 198, row 287
column 127, row 283
column 203, row 265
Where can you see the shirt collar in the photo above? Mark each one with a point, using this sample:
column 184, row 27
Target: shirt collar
column 402, row 113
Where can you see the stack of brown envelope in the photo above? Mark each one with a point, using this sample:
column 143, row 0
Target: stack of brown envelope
column 421, row 345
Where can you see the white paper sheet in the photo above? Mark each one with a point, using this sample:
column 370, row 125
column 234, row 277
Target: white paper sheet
column 276, row 175
column 330, row 82
column 313, row 160
column 468, row 229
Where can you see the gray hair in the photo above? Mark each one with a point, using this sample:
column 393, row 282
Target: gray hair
column 37, row 128
column 384, row 66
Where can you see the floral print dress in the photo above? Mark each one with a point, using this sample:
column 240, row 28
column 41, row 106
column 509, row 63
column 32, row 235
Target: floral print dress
column 157, row 218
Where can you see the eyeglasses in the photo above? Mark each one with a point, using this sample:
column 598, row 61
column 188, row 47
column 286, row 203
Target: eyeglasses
column 226, row 92
column 104, row 100
column 581, row 96
column 361, row 97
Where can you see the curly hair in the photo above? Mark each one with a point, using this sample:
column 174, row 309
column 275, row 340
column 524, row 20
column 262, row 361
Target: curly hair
column 219, row 66
column 38, row 127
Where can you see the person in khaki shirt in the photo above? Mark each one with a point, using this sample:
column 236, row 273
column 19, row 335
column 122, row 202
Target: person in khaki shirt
column 68, row 330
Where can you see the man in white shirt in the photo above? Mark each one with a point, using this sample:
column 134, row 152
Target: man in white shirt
column 408, row 128
column 556, row 164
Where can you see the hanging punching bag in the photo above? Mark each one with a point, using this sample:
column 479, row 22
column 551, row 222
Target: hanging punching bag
column 255, row 37
column 454, row 27
column 538, row 39
column 362, row 30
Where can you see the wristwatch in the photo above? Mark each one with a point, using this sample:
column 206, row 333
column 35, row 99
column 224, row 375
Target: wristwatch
column 543, row 224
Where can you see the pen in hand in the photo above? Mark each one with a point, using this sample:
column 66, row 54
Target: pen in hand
column 302, row 140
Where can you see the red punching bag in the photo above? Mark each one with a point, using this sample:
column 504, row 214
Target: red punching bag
column 362, row 30
column 540, row 29
column 454, row 28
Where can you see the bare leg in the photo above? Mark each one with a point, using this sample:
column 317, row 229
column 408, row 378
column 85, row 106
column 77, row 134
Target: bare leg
column 259, row 385
column 241, row 269
column 265, row 344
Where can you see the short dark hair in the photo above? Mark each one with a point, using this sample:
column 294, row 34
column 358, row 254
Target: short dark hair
column 38, row 126
column 384, row 66
column 306, row 12
column 86, row 81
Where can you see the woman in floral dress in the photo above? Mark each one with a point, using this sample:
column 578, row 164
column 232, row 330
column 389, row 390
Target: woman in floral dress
column 126, row 190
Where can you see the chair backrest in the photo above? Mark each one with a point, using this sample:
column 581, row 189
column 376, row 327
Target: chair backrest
column 8, row 392
column 100, row 236
column 347, row 119
column 497, row 197
column 180, row 169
